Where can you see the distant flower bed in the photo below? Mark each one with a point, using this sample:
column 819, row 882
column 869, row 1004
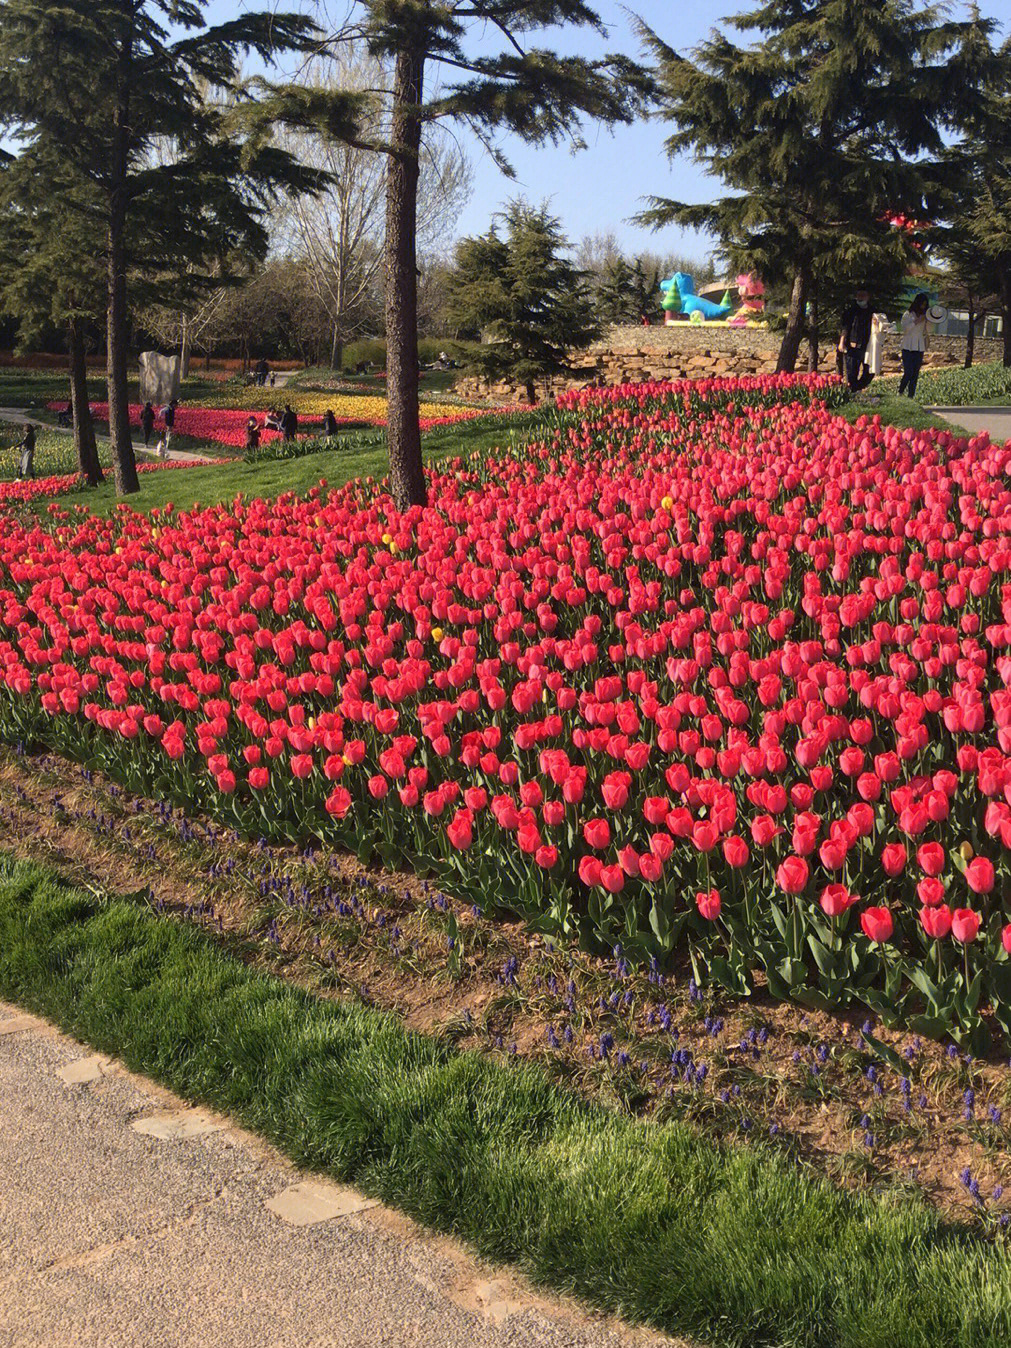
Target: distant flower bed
column 54, row 453
column 227, row 425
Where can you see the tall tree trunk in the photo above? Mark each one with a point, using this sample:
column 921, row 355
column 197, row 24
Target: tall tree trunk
column 336, row 349
column 812, row 333
column 84, row 426
column 407, row 477
column 970, row 336
column 123, row 461
column 790, row 346
column 185, row 348
column 1005, row 313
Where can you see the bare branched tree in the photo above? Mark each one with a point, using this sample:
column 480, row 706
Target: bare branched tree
column 339, row 232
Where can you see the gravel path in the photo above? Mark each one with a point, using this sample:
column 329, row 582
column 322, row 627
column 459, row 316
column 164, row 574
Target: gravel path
column 130, row 1219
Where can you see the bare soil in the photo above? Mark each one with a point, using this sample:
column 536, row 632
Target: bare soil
column 748, row 1071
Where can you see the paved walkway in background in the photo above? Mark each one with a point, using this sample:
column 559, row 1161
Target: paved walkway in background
column 995, row 420
column 128, row 1219
column 16, row 416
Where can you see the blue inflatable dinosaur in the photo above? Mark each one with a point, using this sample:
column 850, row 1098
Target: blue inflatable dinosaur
column 692, row 303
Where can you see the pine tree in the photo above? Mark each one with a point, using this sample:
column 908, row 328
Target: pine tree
column 615, row 299
column 525, row 296
column 976, row 236
column 57, row 279
column 822, row 130
column 444, row 71
column 105, row 83
column 645, row 287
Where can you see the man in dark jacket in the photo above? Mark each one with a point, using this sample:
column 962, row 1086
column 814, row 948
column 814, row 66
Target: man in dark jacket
column 147, row 422
column 854, row 336
column 26, row 465
column 289, row 422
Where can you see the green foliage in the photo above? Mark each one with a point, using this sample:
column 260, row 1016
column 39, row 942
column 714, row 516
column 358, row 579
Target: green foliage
column 626, row 290
column 989, row 382
column 976, row 239
column 529, row 301
column 828, row 124
column 160, row 153
column 54, row 453
column 733, row 1245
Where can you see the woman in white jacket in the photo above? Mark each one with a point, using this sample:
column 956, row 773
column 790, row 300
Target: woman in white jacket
column 913, row 327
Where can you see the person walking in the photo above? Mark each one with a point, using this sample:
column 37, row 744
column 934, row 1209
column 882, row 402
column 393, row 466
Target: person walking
column 854, row 335
column 168, row 413
column 252, row 436
column 329, row 424
column 913, row 326
column 262, row 371
column 147, row 422
column 289, row 422
column 26, row 466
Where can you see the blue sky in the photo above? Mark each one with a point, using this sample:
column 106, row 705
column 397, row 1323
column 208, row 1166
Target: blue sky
column 599, row 188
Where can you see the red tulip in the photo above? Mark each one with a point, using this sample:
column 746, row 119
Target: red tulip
column 877, row 924
column 792, row 874
column 979, row 875
column 936, row 921
column 893, row 858
column 965, row 925
column 597, row 833
column 931, row 858
column 709, row 904
column 835, row 899
column 930, row 891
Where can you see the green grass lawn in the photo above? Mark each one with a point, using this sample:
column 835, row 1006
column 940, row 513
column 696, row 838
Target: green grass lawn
column 32, row 389
column 736, row 1245
column 188, row 487
column 881, row 401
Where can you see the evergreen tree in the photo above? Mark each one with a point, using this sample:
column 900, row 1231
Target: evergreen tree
column 968, row 261
column 976, row 235
column 529, row 302
column 820, row 130
column 106, row 84
column 533, row 92
column 645, row 287
column 615, row 299
column 57, row 278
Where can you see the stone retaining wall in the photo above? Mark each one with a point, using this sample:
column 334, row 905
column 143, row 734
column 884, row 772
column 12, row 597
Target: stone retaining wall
column 685, row 351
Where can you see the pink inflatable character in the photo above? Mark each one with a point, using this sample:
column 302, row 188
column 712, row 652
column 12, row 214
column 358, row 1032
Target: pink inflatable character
column 752, row 294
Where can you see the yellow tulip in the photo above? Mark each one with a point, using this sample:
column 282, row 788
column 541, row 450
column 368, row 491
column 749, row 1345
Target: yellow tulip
column 436, row 633
column 667, row 502
column 965, row 851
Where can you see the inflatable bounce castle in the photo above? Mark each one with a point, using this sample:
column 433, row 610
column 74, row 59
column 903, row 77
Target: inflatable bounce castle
column 679, row 297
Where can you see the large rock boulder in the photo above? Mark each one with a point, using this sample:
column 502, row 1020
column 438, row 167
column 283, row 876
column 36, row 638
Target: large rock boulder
column 159, row 377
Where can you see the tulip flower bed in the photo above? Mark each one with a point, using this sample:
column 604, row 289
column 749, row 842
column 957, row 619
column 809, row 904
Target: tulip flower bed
column 32, row 490
column 54, row 453
column 865, row 1106
column 227, row 425
column 707, row 669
